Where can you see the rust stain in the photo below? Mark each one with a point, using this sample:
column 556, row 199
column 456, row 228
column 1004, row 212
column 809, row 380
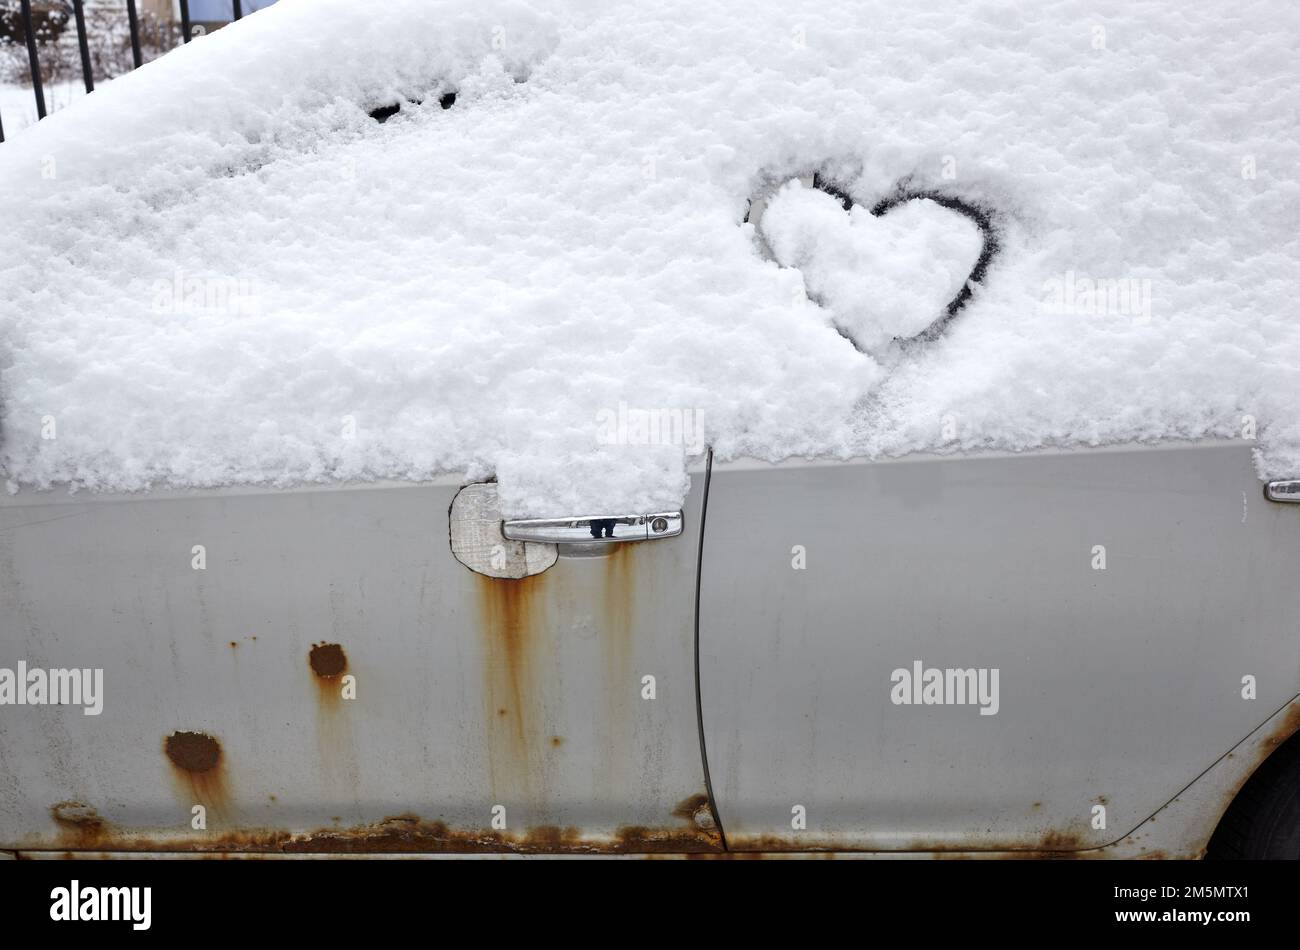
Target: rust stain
column 85, row 830
column 1054, row 845
column 409, row 833
column 620, row 588
column 557, row 741
column 1061, row 841
column 774, row 844
column 512, row 626
column 776, row 848
column 76, row 815
column 759, row 856
column 1287, row 728
column 1283, row 732
column 698, row 812
column 199, row 768
column 640, row 840
column 618, row 641
column 328, row 663
column 80, row 825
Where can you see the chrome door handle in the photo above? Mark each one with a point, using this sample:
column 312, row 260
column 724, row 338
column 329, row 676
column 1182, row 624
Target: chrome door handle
column 1283, row 491
column 585, row 529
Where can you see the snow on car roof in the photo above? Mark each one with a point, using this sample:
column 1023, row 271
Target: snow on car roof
column 222, row 269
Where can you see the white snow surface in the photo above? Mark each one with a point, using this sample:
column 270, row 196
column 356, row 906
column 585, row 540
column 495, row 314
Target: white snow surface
column 220, row 270
column 883, row 278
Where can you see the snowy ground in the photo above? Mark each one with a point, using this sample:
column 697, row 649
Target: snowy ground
column 221, row 269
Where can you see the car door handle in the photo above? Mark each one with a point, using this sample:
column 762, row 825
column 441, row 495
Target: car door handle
column 1288, row 491
column 584, row 529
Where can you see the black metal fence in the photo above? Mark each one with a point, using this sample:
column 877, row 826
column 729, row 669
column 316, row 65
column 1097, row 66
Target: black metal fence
column 87, row 73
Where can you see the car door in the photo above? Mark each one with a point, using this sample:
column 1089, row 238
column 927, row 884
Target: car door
column 1103, row 624
column 315, row 670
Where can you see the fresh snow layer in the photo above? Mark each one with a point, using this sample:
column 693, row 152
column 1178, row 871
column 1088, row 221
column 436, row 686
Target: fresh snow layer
column 883, row 278
column 220, row 269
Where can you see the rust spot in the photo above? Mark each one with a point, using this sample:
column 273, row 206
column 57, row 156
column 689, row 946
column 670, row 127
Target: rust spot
column 199, row 768
column 81, row 826
column 193, row 751
column 76, row 815
column 557, row 741
column 696, row 810
column 328, row 660
column 234, row 645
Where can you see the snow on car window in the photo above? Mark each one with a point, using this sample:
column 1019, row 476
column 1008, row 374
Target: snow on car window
column 222, row 269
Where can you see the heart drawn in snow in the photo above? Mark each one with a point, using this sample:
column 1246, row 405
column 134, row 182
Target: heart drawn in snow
column 898, row 272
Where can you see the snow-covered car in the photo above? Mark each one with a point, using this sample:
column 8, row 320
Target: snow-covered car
column 677, row 427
